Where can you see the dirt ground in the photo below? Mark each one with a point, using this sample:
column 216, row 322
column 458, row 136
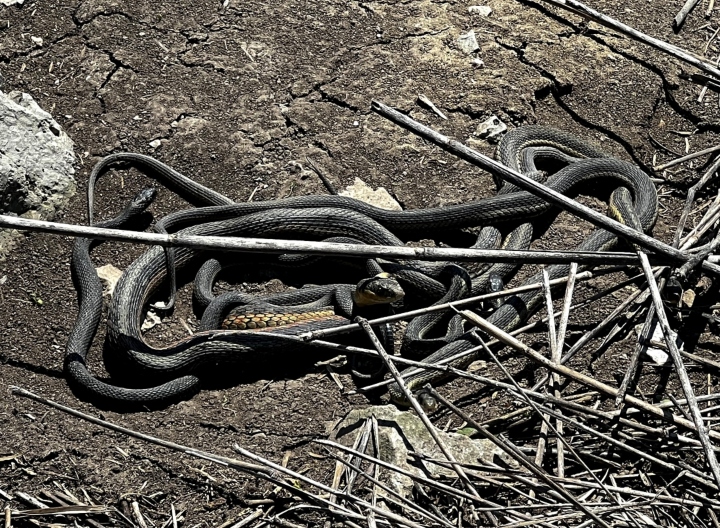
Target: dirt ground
column 239, row 95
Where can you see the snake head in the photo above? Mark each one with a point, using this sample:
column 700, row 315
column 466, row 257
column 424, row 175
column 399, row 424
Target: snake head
column 383, row 288
column 141, row 201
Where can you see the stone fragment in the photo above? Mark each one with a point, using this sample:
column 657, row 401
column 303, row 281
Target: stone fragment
column 688, row 298
column 657, row 355
column 490, row 128
column 37, row 41
column 11, row 2
column 655, row 348
column 480, row 10
column 155, row 143
column 110, row 275
column 151, row 320
column 425, row 101
column 402, row 432
column 468, row 42
column 379, row 197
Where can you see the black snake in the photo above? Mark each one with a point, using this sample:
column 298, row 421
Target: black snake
column 331, row 216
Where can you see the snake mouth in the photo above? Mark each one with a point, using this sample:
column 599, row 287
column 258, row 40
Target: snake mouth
column 383, row 288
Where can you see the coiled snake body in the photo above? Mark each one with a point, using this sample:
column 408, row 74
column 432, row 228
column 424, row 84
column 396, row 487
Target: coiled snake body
column 332, row 216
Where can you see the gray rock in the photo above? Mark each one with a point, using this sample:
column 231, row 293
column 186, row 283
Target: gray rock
column 402, row 432
column 36, row 161
column 468, row 42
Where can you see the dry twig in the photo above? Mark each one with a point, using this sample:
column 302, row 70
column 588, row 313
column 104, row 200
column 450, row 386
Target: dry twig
column 528, row 184
column 679, row 19
column 279, row 246
column 680, row 370
column 683, row 159
column 512, row 450
column 599, row 386
column 679, row 53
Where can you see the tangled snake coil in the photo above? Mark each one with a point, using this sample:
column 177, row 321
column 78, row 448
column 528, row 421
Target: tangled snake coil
column 321, row 217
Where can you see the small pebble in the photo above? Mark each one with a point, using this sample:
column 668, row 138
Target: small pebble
column 688, row 298
column 468, row 42
column 490, row 128
column 480, row 10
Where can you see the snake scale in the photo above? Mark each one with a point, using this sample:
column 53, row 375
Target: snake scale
column 173, row 369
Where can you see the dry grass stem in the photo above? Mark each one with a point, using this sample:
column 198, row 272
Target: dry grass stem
column 689, row 157
column 579, row 377
column 680, row 370
column 528, row 184
column 675, row 51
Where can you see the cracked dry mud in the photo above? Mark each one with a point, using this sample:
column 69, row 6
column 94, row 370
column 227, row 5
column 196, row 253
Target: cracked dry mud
column 238, row 98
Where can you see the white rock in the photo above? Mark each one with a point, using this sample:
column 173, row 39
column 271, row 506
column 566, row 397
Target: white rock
column 468, row 42
column 480, row 10
column 490, row 128
column 659, row 355
column 151, row 319
column 110, row 275
column 37, row 41
column 379, row 197
column 155, row 143
column 11, row 2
